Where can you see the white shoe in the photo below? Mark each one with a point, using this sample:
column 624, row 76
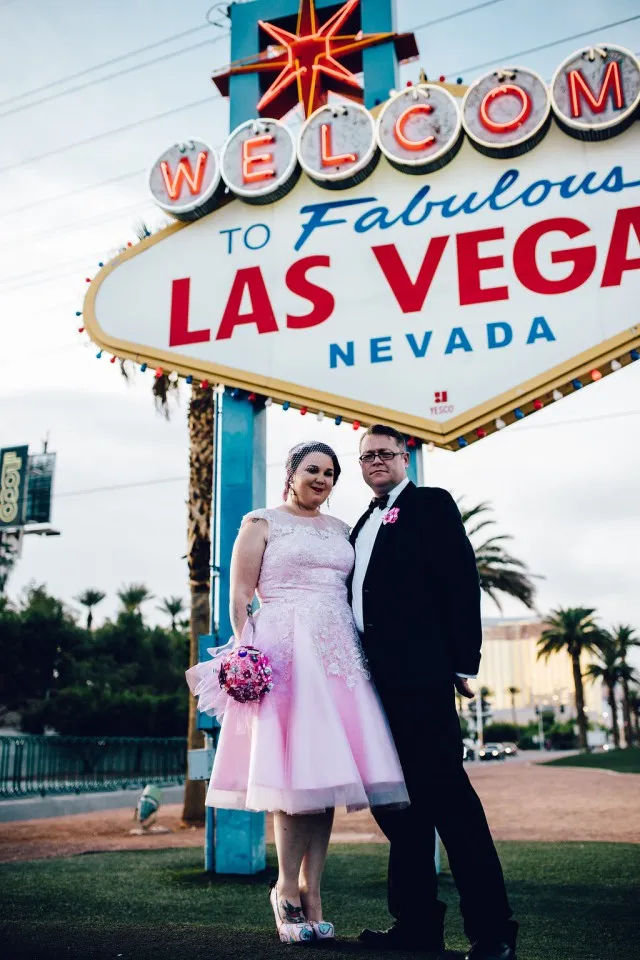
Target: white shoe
column 323, row 930
column 298, row 932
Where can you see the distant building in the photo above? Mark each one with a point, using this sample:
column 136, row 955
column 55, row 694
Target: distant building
column 510, row 659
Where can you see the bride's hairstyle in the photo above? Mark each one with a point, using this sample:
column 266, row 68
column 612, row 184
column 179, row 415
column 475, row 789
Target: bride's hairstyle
column 298, row 453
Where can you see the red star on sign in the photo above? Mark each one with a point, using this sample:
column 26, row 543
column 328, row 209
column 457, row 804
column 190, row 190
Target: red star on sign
column 308, row 61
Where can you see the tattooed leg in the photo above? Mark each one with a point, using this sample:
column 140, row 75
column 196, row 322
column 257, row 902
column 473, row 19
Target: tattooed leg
column 292, row 835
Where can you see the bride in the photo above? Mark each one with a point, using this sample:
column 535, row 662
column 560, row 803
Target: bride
column 319, row 739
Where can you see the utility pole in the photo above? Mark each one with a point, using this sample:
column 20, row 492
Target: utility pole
column 540, row 728
column 479, row 731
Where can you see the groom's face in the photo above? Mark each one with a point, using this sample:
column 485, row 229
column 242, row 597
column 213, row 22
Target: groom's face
column 383, row 475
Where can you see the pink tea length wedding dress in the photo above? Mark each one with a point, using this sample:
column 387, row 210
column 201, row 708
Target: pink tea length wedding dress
column 320, row 738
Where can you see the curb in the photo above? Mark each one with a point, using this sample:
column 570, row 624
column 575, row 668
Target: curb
column 36, row 808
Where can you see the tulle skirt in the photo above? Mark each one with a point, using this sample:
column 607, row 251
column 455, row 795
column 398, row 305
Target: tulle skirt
column 312, row 743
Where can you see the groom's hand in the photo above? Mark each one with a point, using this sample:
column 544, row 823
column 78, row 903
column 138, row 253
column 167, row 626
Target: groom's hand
column 463, row 688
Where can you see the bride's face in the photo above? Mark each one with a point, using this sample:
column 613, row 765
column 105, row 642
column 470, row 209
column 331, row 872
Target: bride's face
column 313, row 480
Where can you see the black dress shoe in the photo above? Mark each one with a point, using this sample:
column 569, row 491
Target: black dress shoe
column 398, row 937
column 490, row 951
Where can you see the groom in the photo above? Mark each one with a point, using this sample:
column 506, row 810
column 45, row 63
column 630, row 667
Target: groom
column 416, row 602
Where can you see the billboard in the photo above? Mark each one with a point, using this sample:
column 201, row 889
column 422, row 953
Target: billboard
column 40, row 487
column 444, row 264
column 14, row 462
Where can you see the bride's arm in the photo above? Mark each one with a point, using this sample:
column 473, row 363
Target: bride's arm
column 246, row 561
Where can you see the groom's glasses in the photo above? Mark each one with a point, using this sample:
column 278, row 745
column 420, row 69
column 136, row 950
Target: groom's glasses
column 380, row 454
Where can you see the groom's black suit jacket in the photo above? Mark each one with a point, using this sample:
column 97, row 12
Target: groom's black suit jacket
column 421, row 603
column 421, row 599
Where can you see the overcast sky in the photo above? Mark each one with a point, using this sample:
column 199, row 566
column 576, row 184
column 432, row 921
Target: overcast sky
column 564, row 483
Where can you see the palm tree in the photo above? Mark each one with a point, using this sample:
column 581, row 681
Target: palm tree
column 513, row 692
column 173, row 607
column 571, row 630
column 624, row 638
column 199, row 509
column 201, row 456
column 90, row 599
column 133, row 596
column 628, row 675
column 608, row 671
column 634, row 709
column 499, row 572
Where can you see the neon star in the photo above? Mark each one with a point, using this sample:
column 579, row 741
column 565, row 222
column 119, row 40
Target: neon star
column 308, row 61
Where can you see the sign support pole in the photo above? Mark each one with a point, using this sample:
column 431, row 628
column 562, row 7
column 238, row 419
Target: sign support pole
column 237, row 843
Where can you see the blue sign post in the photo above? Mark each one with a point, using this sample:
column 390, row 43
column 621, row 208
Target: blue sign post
column 235, row 840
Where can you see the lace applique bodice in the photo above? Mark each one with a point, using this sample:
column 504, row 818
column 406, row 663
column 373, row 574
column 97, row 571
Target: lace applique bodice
column 303, row 590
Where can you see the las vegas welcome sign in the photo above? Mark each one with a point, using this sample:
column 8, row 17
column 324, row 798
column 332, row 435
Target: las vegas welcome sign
column 447, row 265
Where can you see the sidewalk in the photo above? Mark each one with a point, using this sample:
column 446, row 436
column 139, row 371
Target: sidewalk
column 35, row 808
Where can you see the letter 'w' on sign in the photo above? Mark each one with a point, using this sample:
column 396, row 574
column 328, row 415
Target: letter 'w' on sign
column 410, row 294
column 173, row 182
column 612, row 84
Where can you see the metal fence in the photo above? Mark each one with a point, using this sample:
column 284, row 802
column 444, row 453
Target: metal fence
column 41, row 765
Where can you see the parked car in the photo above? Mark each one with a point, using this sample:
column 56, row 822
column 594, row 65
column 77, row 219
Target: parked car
column 492, row 751
column 469, row 750
column 511, row 749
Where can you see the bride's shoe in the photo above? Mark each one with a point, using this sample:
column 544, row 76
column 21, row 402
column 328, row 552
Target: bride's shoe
column 323, row 929
column 293, row 928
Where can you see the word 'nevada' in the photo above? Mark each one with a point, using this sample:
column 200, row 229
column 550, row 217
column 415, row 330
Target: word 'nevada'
column 594, row 95
column 249, row 289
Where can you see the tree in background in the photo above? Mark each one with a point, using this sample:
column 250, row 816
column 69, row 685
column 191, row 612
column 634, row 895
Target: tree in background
column 624, row 638
column 201, row 458
column 173, row 607
column 40, row 646
column 499, row 572
column 513, row 693
column 199, row 510
column 90, row 599
column 571, row 630
column 7, row 559
column 133, row 596
column 610, row 670
column 502, row 732
column 122, row 679
column 634, row 711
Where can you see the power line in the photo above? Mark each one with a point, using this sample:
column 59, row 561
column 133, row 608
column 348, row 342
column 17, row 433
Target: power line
column 543, row 46
column 111, row 76
column 99, row 218
column 107, row 133
column 73, row 193
column 105, row 63
column 452, row 16
column 120, row 486
column 184, row 477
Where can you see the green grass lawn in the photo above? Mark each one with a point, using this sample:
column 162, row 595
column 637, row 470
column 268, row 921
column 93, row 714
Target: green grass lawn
column 622, row 761
column 575, row 901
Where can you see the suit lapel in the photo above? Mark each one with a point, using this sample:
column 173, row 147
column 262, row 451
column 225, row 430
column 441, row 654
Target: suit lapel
column 358, row 527
column 387, row 530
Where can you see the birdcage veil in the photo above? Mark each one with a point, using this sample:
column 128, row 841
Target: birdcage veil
column 300, row 452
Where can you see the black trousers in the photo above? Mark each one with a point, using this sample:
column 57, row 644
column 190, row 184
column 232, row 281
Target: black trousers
column 442, row 798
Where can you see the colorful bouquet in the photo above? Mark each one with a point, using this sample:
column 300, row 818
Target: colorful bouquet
column 245, row 674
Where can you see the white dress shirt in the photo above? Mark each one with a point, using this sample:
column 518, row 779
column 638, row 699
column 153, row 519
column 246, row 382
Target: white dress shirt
column 364, row 547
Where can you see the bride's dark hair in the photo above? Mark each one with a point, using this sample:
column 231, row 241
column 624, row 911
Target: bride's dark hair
column 298, row 453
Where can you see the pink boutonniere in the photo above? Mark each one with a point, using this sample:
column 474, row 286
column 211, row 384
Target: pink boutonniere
column 391, row 515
